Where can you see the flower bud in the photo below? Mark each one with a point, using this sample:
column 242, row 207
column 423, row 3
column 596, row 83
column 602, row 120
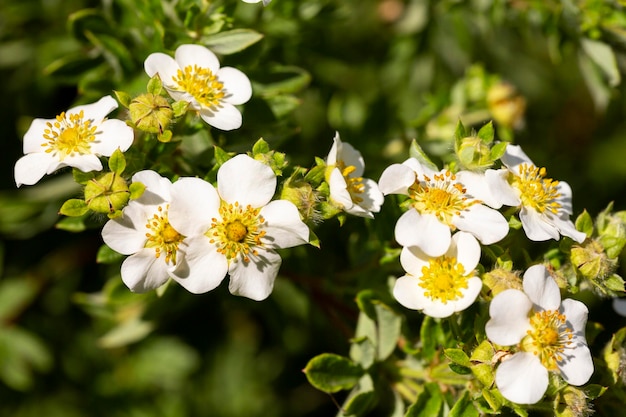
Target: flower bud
column 150, row 112
column 505, row 104
column 592, row 261
column 572, row 402
column 106, row 193
column 474, row 154
column 304, row 197
column 501, row 279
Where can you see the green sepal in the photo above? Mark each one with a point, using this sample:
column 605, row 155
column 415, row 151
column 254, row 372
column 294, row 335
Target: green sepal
column 260, row 147
column 221, row 155
column 497, row 150
column 123, row 97
column 74, row 208
column 584, row 223
column 136, row 190
column 72, row 224
column 485, row 134
column 313, row 239
column 106, row 255
column 316, row 175
column 82, row 177
column 457, row 356
column 180, row 108
column 614, row 283
column 155, row 86
column 330, row 373
column 459, row 369
column 460, row 132
column 117, row 162
column 416, row 151
column 165, row 137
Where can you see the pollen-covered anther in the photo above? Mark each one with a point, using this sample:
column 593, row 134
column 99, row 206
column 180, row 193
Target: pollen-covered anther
column 69, row 135
column 536, row 191
column 548, row 337
column 443, row 279
column 202, row 84
column 162, row 237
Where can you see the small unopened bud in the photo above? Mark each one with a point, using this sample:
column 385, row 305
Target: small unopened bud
column 591, row 260
column 305, row 198
column 501, row 279
column 107, row 193
column 506, row 105
column 474, row 154
column 572, row 402
column 151, row 113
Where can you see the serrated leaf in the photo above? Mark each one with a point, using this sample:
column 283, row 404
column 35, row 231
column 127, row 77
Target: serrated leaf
column 74, row 208
column 231, row 41
column 330, row 373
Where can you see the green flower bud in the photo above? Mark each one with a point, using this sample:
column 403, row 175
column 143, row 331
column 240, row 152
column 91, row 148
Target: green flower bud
column 572, row 402
column 592, row 261
column 473, row 153
column 304, row 197
column 611, row 234
column 107, row 193
column 151, row 113
column 501, row 279
column 505, row 104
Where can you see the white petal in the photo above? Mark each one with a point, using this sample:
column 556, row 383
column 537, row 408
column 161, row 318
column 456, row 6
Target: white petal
column 396, row 179
column 423, row 231
column 541, row 288
column 333, row 154
column 192, row 54
column 247, row 181
column 504, row 193
column 576, row 314
column 30, row 168
column 127, row 233
column 194, row 204
column 113, row 134
column 237, row 87
column 283, row 225
column 162, row 64
column 143, row 271
column 566, row 197
column 225, row 117
column 201, row 268
column 468, row 295
column 536, row 227
column 157, row 190
column 254, row 279
column 437, row 309
column 97, row 111
column 577, row 367
column 33, row 138
column 513, row 157
column 372, row 197
column 486, row 224
column 509, row 317
column 522, row 378
column 466, row 249
column 567, row 228
column 413, row 259
column 339, row 189
column 406, row 291
column 85, row 163
column 352, row 157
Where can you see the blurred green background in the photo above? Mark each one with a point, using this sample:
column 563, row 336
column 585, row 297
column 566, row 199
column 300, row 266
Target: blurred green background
column 75, row 342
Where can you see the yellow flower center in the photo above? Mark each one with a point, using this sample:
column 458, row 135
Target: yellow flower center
column 441, row 196
column 162, row 236
column 443, row 279
column 537, row 192
column 69, row 135
column 548, row 337
column 355, row 185
column 202, row 84
column 238, row 233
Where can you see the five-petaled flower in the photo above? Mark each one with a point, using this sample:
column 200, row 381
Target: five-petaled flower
column 546, row 204
column 235, row 228
column 194, row 75
column 75, row 138
column 145, row 233
column 348, row 189
column 549, row 336
column 443, row 285
column 440, row 202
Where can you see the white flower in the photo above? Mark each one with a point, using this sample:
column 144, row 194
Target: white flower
column 549, row 334
column 442, row 285
column 144, row 232
column 348, row 189
column 75, row 138
column 265, row 2
column 546, row 204
column 440, row 203
column 195, row 76
column 235, row 228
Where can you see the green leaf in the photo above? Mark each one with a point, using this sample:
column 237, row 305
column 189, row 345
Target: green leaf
column 461, row 370
column 614, row 283
column 123, row 98
column 464, row 407
column 260, row 147
column 90, row 20
column 361, row 398
column 74, row 208
column 363, row 350
column 416, row 151
column 604, row 57
column 15, row 295
column 594, row 391
column 106, row 255
column 155, row 86
column 330, row 373
column 72, row 224
column 180, row 107
column 136, row 190
column 129, row 331
column 21, row 353
column 284, row 80
column 117, row 162
column 388, row 325
column 486, row 133
column 497, row 150
column 429, row 403
column 584, row 223
column 82, row 177
column 457, row 356
column 221, row 155
column 231, row 41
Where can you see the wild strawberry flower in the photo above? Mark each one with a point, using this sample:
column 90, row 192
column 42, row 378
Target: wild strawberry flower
column 194, row 75
column 144, row 232
column 348, row 189
column 441, row 202
column 235, row 228
column 443, row 285
column 549, row 336
column 75, row 138
column 546, row 204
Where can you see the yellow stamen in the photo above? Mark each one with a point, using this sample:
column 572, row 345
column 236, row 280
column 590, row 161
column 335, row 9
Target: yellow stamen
column 162, row 236
column 202, row 84
column 69, row 135
column 548, row 337
column 536, row 191
column 443, row 279
column 354, row 185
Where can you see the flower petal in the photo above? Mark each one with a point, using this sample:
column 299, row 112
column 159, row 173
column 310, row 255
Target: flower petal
column 30, row 168
column 225, row 117
column 162, row 64
column 113, row 134
column 86, row 163
column 237, row 87
column 406, row 291
column 194, row 204
column 536, row 227
column 541, row 288
column 255, row 279
column 191, row 54
column 201, row 268
column 468, row 295
column 513, row 157
column 157, row 190
column 522, row 378
column 97, row 111
column 396, row 179
column 577, row 367
column 413, row 259
column 339, row 189
column 372, row 197
column 127, row 233
column 466, row 249
column 143, row 271
column 486, row 224
column 283, row 225
column 567, row 228
column 509, row 317
column 33, row 138
column 423, row 231
column 247, row 181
